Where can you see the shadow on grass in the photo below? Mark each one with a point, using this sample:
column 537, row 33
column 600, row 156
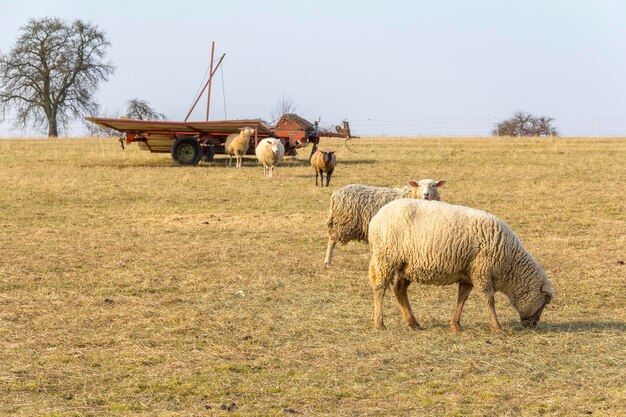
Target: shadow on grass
column 305, row 162
column 582, row 326
column 207, row 165
column 545, row 327
column 569, row 327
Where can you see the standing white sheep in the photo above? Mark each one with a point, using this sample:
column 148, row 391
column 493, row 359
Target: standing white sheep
column 237, row 144
column 353, row 206
column 269, row 152
column 441, row 244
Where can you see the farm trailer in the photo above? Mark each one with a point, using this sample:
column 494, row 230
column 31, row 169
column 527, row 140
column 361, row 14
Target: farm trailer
column 189, row 142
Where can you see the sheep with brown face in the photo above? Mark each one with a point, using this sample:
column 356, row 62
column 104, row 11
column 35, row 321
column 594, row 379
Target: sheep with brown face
column 237, row 145
column 435, row 243
column 323, row 162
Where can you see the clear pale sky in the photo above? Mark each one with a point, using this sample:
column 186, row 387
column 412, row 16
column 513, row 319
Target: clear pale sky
column 387, row 60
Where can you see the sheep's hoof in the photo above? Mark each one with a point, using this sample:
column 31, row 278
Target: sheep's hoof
column 328, row 264
column 456, row 328
column 414, row 325
column 381, row 326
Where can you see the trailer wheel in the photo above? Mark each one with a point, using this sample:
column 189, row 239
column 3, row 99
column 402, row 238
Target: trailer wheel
column 186, row 151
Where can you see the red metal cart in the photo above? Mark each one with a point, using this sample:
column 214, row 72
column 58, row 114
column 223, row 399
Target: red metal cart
column 190, row 142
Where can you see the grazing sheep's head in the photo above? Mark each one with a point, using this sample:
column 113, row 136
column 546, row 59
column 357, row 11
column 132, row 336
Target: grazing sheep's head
column 531, row 305
column 428, row 189
column 247, row 131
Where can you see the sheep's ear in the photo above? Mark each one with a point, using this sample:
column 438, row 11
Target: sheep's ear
column 547, row 289
column 412, row 183
column 441, row 183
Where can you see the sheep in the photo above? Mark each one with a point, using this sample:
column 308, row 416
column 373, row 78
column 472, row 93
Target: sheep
column 428, row 189
column 441, row 244
column 323, row 162
column 237, row 144
column 269, row 152
column 353, row 206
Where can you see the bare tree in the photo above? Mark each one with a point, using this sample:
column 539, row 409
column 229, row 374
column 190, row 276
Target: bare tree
column 53, row 71
column 138, row 109
column 284, row 105
column 525, row 124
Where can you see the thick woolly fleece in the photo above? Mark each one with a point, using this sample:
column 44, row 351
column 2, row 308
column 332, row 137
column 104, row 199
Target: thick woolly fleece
column 353, row 206
column 237, row 144
column 269, row 152
column 430, row 242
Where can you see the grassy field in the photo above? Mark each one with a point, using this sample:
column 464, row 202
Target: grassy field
column 129, row 286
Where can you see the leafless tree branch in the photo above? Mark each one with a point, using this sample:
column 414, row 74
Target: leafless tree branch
column 140, row 110
column 284, row 105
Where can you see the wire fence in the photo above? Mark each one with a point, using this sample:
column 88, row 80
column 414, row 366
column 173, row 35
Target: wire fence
column 431, row 127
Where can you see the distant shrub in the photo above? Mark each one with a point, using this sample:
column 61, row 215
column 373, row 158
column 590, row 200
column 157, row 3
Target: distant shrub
column 525, row 124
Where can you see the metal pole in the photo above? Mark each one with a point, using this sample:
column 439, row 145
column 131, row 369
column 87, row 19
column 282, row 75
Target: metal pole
column 205, row 86
column 208, row 97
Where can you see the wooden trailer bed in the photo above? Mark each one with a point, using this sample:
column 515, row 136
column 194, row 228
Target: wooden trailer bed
column 188, row 142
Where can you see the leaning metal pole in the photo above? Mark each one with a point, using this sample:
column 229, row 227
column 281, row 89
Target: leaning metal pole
column 205, row 86
column 208, row 97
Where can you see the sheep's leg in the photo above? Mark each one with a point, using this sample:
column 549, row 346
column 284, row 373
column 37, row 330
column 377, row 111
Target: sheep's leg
column 400, row 288
column 328, row 174
column 491, row 306
column 230, row 160
column 379, row 285
column 464, row 291
column 271, row 169
column 316, row 175
column 328, row 261
column 238, row 161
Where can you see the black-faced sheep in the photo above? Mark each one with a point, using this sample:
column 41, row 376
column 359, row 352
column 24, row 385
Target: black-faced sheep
column 353, row 206
column 441, row 244
column 269, row 152
column 237, row 144
column 323, row 162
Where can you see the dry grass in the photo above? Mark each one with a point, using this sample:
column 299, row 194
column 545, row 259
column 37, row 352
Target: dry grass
column 129, row 286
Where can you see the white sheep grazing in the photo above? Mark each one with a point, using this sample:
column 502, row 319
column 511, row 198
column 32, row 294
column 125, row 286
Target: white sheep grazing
column 269, row 152
column 237, row 144
column 440, row 244
column 353, row 206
